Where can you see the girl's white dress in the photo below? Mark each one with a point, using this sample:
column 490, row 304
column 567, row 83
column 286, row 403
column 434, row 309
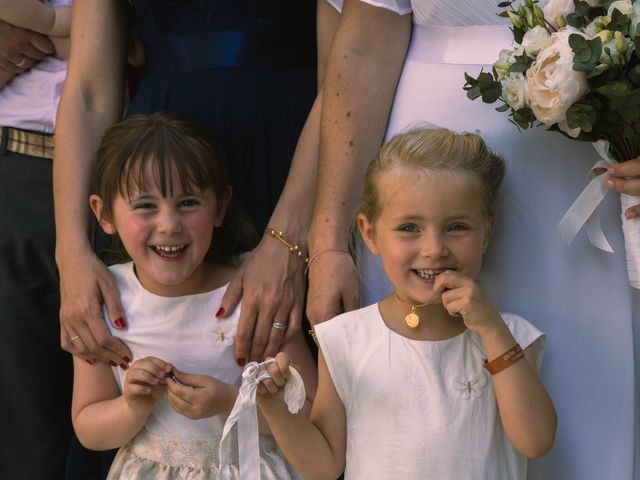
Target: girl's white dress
column 419, row 410
column 578, row 295
column 184, row 332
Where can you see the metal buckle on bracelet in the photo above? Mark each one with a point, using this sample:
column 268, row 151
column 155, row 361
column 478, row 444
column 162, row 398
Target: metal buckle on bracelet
column 293, row 248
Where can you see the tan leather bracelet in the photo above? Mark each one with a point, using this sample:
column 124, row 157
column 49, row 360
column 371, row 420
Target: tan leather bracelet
column 505, row 360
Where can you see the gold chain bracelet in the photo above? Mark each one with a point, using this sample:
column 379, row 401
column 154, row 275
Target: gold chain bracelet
column 293, row 248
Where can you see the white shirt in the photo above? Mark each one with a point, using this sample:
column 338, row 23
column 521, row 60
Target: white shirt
column 30, row 100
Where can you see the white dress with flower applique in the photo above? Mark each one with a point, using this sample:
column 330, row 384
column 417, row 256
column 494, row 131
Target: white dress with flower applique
column 184, row 332
column 419, row 410
column 578, row 295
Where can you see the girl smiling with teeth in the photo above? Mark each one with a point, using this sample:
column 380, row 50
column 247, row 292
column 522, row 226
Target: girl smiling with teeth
column 162, row 191
column 405, row 389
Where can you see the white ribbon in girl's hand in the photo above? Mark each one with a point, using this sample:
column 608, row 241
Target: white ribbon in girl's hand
column 245, row 414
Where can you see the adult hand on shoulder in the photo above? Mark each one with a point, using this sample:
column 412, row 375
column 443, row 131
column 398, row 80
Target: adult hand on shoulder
column 270, row 283
column 334, row 286
column 85, row 282
column 21, row 49
column 624, row 177
column 199, row 396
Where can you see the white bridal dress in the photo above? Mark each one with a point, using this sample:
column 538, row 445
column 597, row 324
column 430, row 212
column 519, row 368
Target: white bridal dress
column 578, row 295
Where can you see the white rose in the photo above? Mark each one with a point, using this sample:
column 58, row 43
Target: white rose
column 534, row 39
column 616, row 49
column 624, row 6
column 552, row 83
column 514, row 90
column 605, row 36
column 506, row 58
column 563, row 8
column 596, row 26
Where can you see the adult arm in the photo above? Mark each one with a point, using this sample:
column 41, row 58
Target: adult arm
column 37, row 16
column 363, row 69
column 271, row 280
column 62, row 46
column 91, row 100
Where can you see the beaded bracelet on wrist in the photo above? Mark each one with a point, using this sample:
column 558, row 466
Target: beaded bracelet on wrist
column 293, row 248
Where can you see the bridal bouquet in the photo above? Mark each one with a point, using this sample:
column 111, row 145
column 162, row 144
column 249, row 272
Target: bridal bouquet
column 575, row 68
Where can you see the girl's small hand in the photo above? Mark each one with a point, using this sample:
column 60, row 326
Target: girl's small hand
column 273, row 388
column 462, row 297
column 145, row 383
column 200, row 396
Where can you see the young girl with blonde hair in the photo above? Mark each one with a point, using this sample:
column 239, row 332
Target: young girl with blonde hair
column 431, row 382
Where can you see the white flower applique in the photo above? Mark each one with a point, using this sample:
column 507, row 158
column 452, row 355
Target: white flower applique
column 222, row 336
column 470, row 386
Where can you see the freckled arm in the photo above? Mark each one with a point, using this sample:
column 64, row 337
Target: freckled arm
column 362, row 74
column 363, row 69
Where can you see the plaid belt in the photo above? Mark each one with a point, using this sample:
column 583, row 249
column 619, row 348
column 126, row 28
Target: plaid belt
column 26, row 142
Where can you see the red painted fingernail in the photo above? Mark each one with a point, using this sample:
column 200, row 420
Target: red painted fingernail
column 113, row 364
column 631, row 214
column 126, row 359
column 89, row 361
column 241, row 361
column 120, row 322
column 220, row 312
column 124, row 366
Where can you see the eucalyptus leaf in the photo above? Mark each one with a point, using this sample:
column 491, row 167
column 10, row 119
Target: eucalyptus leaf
column 474, row 92
column 619, row 22
column 581, row 115
column 492, row 93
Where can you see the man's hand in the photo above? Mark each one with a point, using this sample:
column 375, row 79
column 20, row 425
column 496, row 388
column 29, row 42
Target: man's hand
column 21, row 49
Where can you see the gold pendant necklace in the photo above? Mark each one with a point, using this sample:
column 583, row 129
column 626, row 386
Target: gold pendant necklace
column 412, row 319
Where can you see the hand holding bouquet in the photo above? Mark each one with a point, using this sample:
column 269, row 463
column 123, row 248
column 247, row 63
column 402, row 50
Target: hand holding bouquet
column 575, row 68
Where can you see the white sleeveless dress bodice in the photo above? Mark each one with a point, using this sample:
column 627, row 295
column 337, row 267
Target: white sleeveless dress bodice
column 578, row 295
column 419, row 409
column 184, row 332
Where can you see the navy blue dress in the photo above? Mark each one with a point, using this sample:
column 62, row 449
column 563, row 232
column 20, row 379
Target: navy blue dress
column 246, row 69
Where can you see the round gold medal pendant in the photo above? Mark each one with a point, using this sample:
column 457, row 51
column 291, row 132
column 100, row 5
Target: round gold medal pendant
column 412, row 319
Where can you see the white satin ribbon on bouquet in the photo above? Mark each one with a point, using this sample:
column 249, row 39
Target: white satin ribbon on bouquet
column 583, row 213
column 245, row 414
